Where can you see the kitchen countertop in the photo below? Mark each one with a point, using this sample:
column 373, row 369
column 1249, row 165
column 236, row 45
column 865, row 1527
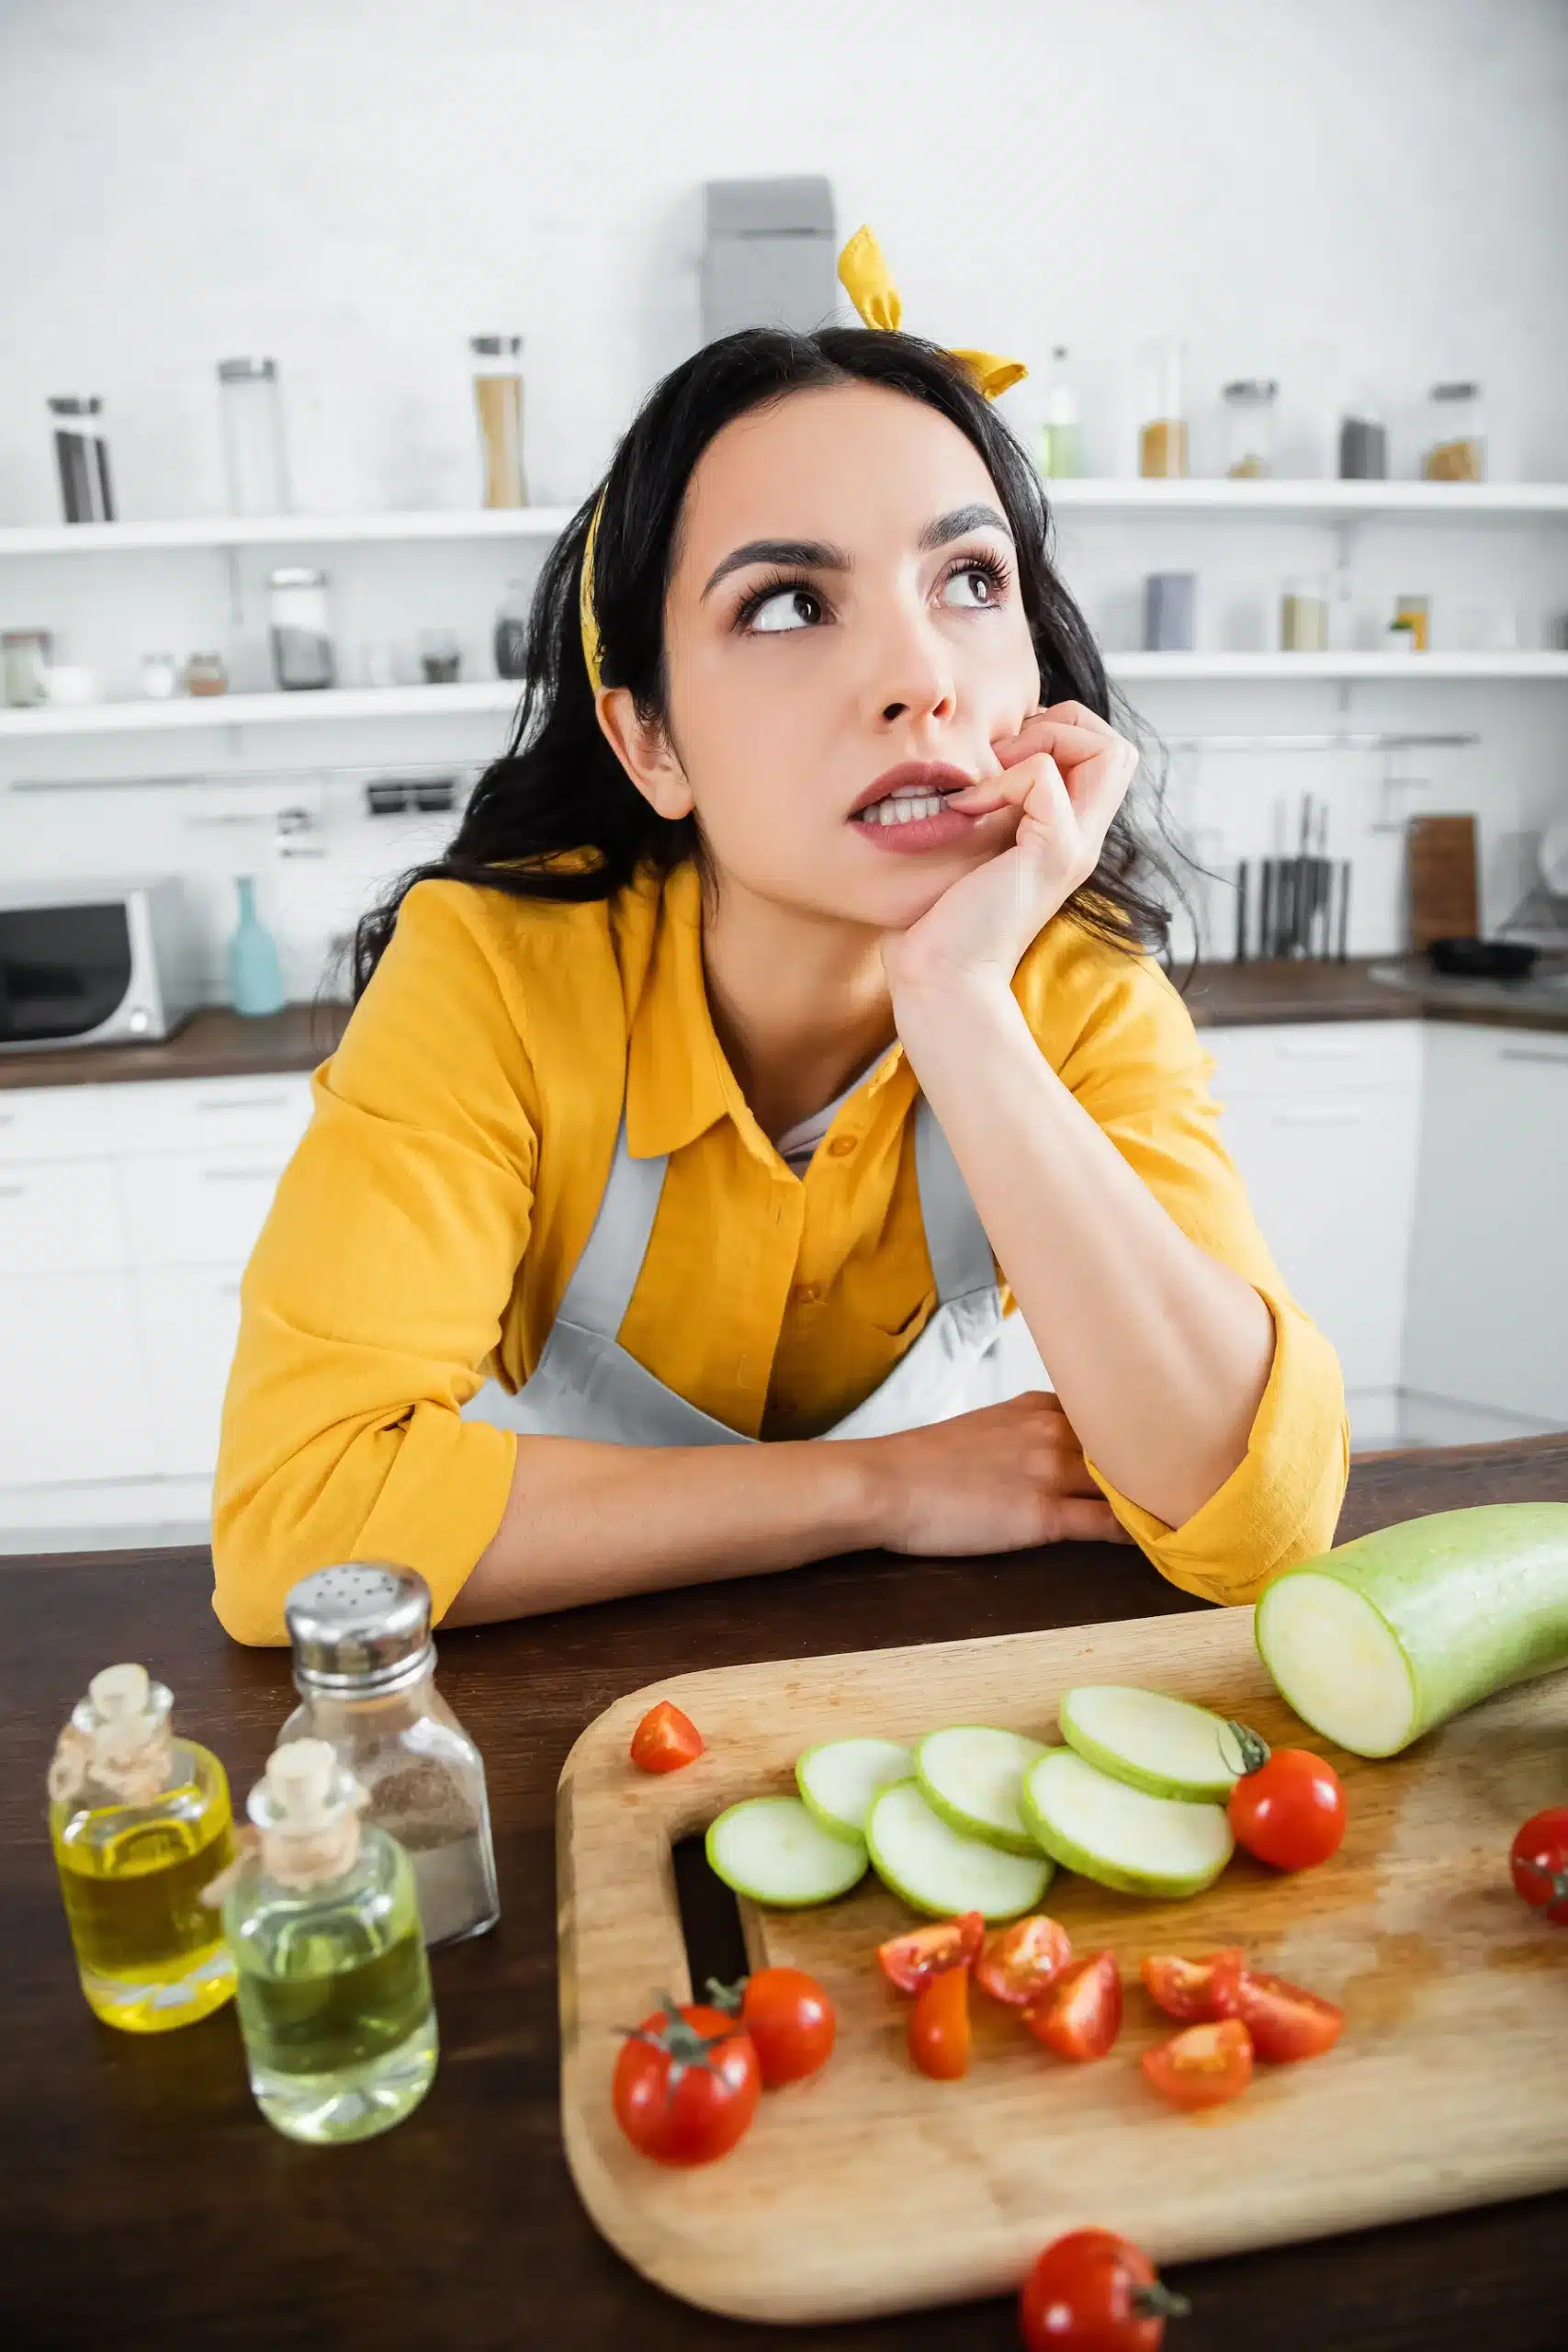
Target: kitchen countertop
column 144, row 2199
column 216, row 1043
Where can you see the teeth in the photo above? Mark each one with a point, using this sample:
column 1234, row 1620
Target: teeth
column 902, row 809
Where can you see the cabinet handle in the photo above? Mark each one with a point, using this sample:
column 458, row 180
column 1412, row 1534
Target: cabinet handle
column 228, row 1290
column 239, row 1175
column 1532, row 1054
column 13, row 1191
column 1325, row 1053
column 243, row 1102
column 1320, row 1115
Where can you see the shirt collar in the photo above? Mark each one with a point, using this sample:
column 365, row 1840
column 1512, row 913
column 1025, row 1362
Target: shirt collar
column 678, row 1080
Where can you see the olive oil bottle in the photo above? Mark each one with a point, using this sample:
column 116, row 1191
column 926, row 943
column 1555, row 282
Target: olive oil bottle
column 324, row 1921
column 140, row 1821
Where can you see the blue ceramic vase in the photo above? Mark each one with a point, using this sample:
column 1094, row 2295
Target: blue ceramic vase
column 256, row 976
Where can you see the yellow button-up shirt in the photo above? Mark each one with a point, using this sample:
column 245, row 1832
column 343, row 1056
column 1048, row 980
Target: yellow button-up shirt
column 425, row 1232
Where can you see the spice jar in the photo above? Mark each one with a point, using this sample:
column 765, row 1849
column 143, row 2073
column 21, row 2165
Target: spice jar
column 1249, row 427
column 301, row 637
column 1162, row 445
column 1303, row 616
column 497, row 391
column 205, row 674
column 82, row 455
column 25, row 654
column 256, row 461
column 365, row 1670
column 1456, row 435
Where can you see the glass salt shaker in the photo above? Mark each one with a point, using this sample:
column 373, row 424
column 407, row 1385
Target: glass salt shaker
column 365, row 1670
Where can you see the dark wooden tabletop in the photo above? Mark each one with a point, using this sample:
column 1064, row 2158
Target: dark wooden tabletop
column 144, row 2202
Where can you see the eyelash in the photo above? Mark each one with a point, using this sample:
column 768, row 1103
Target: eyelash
column 993, row 566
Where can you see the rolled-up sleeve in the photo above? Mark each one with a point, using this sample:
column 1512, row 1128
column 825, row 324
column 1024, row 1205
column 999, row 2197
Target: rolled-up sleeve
column 375, row 1295
column 1124, row 1042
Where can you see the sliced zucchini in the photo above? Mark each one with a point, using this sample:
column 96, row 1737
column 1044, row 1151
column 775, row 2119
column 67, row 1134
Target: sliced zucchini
column 935, row 1869
column 1162, row 1745
column 971, row 1775
column 1120, row 1837
column 773, row 1850
column 837, row 1781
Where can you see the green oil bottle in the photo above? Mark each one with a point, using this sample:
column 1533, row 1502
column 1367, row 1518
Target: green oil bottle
column 140, row 1821
column 323, row 1923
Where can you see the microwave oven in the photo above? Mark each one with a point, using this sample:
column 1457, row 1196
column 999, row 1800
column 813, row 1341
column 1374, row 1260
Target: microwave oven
column 95, row 964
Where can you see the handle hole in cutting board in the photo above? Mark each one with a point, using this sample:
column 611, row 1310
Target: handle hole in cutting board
column 710, row 1920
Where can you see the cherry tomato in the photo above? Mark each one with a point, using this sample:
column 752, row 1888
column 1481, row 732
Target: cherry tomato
column 1018, row 1963
column 1538, row 1861
column 939, row 2025
column 1080, row 2016
column 1198, row 1992
column 1285, row 2022
column 1092, row 2291
column 686, row 2085
column 788, row 2017
column 910, row 1962
column 1288, row 1807
column 665, row 1739
column 1202, row 2066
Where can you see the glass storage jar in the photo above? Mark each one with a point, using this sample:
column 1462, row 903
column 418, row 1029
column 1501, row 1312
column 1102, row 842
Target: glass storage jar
column 301, row 629
column 1456, row 435
column 1250, row 406
column 255, row 459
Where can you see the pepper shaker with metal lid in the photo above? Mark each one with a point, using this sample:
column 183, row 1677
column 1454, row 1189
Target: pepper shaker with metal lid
column 364, row 1667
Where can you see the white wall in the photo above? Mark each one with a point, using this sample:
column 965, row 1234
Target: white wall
column 1322, row 190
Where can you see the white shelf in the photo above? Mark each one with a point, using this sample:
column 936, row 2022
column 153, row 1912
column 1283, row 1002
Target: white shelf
column 1407, row 669
column 1450, row 501
column 183, row 713
column 488, row 695
column 222, row 531
column 1328, row 501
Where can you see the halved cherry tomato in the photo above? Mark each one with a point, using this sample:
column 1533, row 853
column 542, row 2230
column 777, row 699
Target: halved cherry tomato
column 939, row 2025
column 1018, row 1963
column 686, row 2085
column 1288, row 1807
column 910, row 1962
column 1537, row 1864
column 1203, row 2066
column 1198, row 1992
column 1092, row 2291
column 665, row 1739
column 788, row 2017
column 1285, row 2022
column 1080, row 2016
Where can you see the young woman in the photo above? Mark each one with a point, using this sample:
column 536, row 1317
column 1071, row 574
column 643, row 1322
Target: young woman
column 786, row 978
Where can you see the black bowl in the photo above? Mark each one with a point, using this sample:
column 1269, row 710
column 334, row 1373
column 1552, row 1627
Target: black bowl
column 1483, row 959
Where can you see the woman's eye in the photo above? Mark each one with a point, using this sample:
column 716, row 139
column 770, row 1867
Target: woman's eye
column 977, row 584
column 786, row 608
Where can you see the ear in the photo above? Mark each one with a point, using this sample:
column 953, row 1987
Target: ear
column 644, row 750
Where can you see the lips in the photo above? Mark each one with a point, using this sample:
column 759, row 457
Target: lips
column 914, row 779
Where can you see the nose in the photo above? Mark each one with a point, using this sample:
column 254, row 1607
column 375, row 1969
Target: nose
column 912, row 677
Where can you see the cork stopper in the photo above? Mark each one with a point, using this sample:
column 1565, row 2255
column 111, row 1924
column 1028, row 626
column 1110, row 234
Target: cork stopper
column 118, row 1741
column 307, row 1808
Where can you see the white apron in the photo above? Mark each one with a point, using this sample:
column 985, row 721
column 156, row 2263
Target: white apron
column 585, row 1385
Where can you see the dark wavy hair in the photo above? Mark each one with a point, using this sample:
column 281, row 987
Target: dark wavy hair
column 557, row 816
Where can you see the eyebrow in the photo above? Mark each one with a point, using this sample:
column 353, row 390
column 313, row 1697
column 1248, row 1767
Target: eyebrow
column 820, row 555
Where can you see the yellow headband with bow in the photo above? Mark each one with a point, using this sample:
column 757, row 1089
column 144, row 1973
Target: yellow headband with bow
column 866, row 279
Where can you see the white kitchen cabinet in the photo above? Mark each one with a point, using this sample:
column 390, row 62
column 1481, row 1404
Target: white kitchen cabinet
column 1488, row 1314
column 198, row 1208
column 1323, row 1121
column 73, row 1401
column 189, row 1318
column 58, row 1216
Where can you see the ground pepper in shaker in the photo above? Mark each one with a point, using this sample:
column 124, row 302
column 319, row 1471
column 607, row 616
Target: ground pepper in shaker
column 365, row 1670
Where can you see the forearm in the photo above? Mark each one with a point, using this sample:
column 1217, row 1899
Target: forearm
column 585, row 1522
column 1159, row 1354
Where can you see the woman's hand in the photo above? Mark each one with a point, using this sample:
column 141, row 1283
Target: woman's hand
column 1067, row 772
column 996, row 1480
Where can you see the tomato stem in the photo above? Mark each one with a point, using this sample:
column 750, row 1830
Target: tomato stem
column 1253, row 1751
column 1160, row 2301
column 681, row 2042
column 728, row 1997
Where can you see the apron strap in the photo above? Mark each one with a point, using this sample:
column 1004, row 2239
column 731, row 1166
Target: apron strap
column 956, row 1241
column 601, row 1288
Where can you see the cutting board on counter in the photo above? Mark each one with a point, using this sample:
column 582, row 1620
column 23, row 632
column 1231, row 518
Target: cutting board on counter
column 872, row 2189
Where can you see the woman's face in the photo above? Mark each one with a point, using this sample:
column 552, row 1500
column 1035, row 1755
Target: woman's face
column 844, row 605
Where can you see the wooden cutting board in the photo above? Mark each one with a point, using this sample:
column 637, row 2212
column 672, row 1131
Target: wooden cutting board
column 1445, row 898
column 872, row 2189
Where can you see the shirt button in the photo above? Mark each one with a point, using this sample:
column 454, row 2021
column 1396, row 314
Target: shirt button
column 841, row 1146
column 806, row 1294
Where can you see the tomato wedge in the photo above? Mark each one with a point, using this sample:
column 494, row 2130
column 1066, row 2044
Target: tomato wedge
column 1080, row 2016
column 1203, row 2066
column 1285, row 2022
column 939, row 2025
column 910, row 1962
column 1018, row 1963
column 665, row 1739
column 1198, row 1992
